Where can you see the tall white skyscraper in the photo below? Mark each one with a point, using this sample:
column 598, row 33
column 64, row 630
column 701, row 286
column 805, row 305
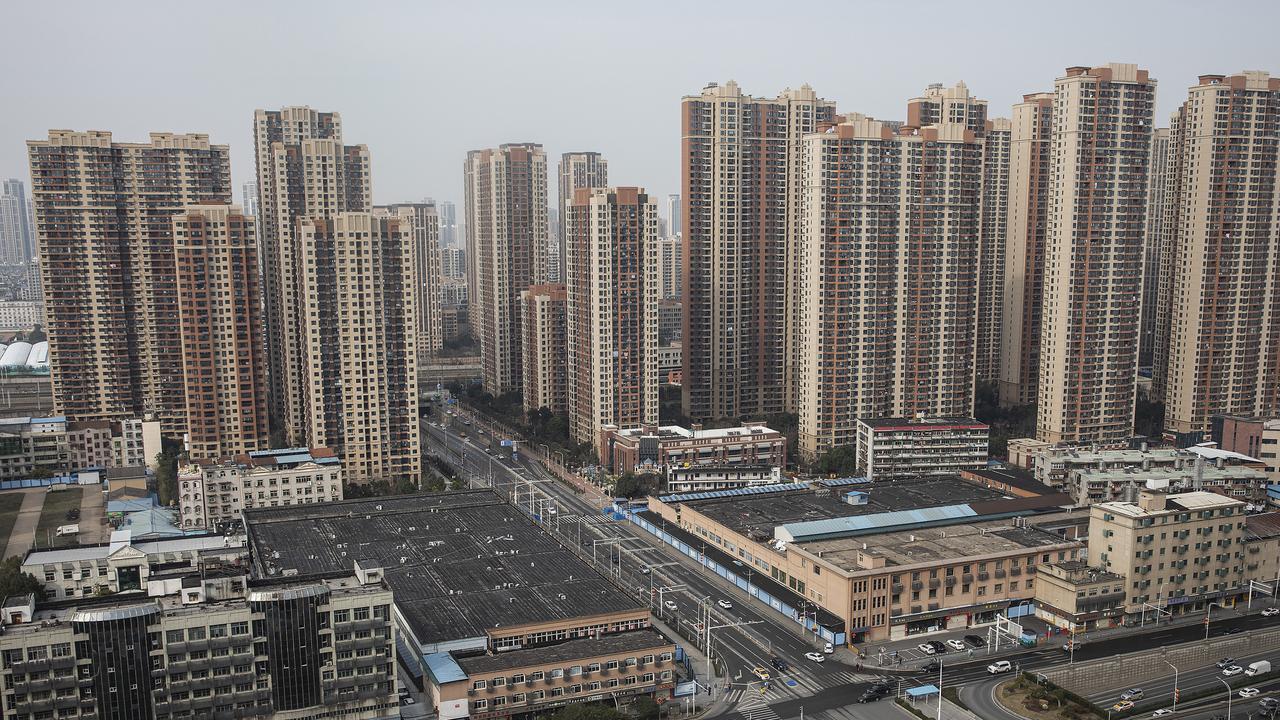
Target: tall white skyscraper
column 673, row 214
column 249, row 198
column 17, row 233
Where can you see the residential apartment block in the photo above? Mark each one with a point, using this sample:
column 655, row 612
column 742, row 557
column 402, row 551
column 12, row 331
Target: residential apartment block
column 304, row 173
column 453, row 263
column 670, row 264
column 740, row 193
column 1255, row 437
column 612, row 310
column 1026, row 237
column 1157, row 208
column 901, row 448
column 358, row 280
column 1092, row 301
column 889, row 276
column 39, row 447
column 1176, row 550
column 1223, row 329
column 196, row 644
column 104, row 212
column 992, row 248
column 576, row 170
column 506, row 208
column 214, row 492
column 220, row 315
column 426, row 237
column 17, row 228
column 543, row 322
column 21, row 314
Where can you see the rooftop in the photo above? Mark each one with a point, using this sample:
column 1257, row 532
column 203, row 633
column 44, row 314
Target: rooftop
column 1188, row 472
column 1177, row 502
column 676, row 431
column 460, row 563
column 1014, row 477
column 918, row 423
column 1079, row 571
column 150, row 547
column 931, row 546
column 1265, row 525
column 574, row 651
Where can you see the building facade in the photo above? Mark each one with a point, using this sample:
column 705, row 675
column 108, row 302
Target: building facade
column 1223, row 328
column 220, row 315
column 670, row 273
column 740, row 191
column 358, row 281
column 214, row 492
column 304, row 172
column 1157, row 200
column 194, row 646
column 992, row 251
column 425, row 222
column 543, row 323
column 707, row 478
column 1178, row 551
column 1092, row 301
column 612, row 310
column 17, row 231
column 576, row 170
column 21, row 314
column 104, row 212
column 453, row 262
column 898, row 448
column 654, row 448
column 889, row 276
column 506, row 193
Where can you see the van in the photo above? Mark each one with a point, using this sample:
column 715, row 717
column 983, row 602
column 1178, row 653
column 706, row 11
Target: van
column 1262, row 667
column 65, row 530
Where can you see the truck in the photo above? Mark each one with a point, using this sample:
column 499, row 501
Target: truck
column 1261, row 667
column 64, row 530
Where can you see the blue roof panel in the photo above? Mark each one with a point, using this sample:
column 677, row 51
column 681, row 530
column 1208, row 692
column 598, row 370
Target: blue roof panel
column 736, row 492
column 443, row 668
column 880, row 522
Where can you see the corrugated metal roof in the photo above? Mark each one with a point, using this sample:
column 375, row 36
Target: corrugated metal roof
column 839, row 482
column 814, row 529
column 736, row 492
column 443, row 668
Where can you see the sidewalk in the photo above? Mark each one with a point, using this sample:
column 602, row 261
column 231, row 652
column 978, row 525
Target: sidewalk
column 710, row 694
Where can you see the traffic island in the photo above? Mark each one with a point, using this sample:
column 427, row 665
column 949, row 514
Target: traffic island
column 1024, row 697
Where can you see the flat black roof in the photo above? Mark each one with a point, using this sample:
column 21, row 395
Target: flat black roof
column 1014, row 477
column 576, row 651
column 459, row 563
column 762, row 513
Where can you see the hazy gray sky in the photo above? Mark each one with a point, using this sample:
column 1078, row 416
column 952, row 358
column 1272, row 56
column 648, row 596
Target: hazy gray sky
column 423, row 82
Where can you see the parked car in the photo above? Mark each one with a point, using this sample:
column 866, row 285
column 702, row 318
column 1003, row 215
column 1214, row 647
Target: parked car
column 816, row 657
column 937, row 646
column 926, row 648
column 760, row 673
column 955, row 644
column 1131, row 694
column 1249, row 692
column 73, row 514
column 999, row 666
column 1232, row 670
column 975, row 640
column 828, row 648
column 1226, row 662
column 725, row 604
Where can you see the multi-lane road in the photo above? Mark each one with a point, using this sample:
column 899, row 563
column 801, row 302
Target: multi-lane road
column 747, row 635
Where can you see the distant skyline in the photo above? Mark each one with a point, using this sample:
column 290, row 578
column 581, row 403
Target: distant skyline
column 423, row 83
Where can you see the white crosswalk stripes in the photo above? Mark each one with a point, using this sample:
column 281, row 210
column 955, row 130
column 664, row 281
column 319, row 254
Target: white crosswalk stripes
column 754, row 706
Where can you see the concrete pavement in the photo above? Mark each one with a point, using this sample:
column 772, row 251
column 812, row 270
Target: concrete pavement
column 93, row 516
column 24, row 526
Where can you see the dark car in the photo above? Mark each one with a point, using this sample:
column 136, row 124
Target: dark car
column 778, row 664
column 1232, row 631
column 938, row 646
column 933, row 667
column 975, row 640
column 874, row 693
column 73, row 514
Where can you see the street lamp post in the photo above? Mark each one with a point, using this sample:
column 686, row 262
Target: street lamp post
column 1208, row 613
column 1228, row 687
column 1175, row 683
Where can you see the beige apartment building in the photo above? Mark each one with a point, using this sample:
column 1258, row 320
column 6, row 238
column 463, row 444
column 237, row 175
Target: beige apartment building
column 1157, row 207
column 740, row 192
column 220, row 315
column 543, row 323
column 506, row 208
column 996, row 154
column 430, row 274
column 576, row 170
column 612, row 310
column 213, row 492
column 1092, row 300
column 1027, row 234
column 671, row 263
column 304, row 172
column 955, row 104
column 889, row 276
column 103, row 213
column 359, row 283
column 1177, row 551
column 1223, row 329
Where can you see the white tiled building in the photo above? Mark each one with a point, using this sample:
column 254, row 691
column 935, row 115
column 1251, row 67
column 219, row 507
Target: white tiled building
column 216, row 492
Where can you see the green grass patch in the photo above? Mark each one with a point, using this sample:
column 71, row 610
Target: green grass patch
column 54, row 514
column 10, row 503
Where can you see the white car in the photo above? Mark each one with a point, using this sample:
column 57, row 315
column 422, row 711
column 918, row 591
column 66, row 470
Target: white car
column 1162, row 712
column 926, row 648
column 816, row 657
column 670, row 605
column 956, row 644
column 828, row 648
column 1249, row 692
column 999, row 666
column 1271, row 612
column 1231, row 670
column 725, row 604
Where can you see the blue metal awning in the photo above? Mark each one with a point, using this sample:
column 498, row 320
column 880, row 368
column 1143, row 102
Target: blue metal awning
column 922, row 691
